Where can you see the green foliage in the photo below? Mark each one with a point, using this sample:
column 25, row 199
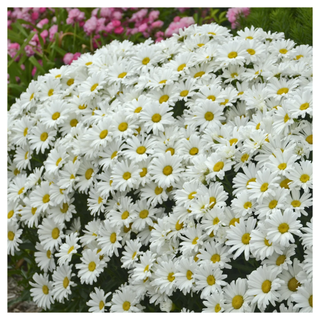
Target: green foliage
column 295, row 23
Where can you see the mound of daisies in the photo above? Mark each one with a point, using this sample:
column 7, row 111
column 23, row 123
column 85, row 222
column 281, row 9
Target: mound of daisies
column 156, row 171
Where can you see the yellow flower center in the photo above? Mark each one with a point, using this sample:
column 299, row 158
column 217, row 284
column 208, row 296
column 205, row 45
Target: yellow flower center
column 73, row 122
column 137, row 110
column 156, row 117
column 113, row 237
column 64, row 208
column 143, row 213
column 123, row 126
column 233, row 221
column 10, row 235
column 122, row 75
column 45, row 289
column 179, row 225
column 184, row 93
column 82, row 107
column 158, row 190
column 181, row 67
column 304, row 106
column 273, row 204
column 167, row 170
column 101, row 305
column 266, row 242
column 199, row 74
column 247, row 205
column 215, row 258
column 282, row 91
column 46, row 198
column 193, row 151
column 286, row 118
column 55, row 233
column 88, row 63
column 43, row 136
column 171, row 276
column 162, row 81
column 251, row 52
column 283, row 227
column 89, row 173
column 244, row 157
column 25, row 132
column 143, row 172
column 212, row 202
column 264, row 187
column 91, row 266
column 280, row 260
column 145, row 61
column 94, row 87
column 211, row 280
column 309, row 139
column 246, row 238
column 31, row 97
column 234, row 74
column 304, row 178
column 232, row 55
column 217, row 308
column 296, row 203
column 126, row 175
column 70, row 82
column 65, row 282
column 126, row 305
column 310, row 301
column 125, row 215
column 10, row 214
column 237, row 302
column 191, row 195
column 293, row 284
column 218, row 166
column 298, row 57
column 49, row 254
column 195, row 240
column 283, row 51
column 70, row 249
column 189, row 275
column 284, row 183
column 50, row 92
column 171, row 151
column 266, row 286
column 225, row 102
column 103, row 134
column 209, row 116
column 21, row 190
column 164, row 98
column 282, row 166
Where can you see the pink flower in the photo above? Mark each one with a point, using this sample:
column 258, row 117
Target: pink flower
column 109, row 27
column 175, row 26
column 117, row 15
column 153, row 15
column 34, row 15
column 44, row 34
column 118, row 30
column 116, row 23
column 159, row 39
column 68, row 57
column 176, row 19
column 52, row 31
column 106, row 12
column 12, row 50
column 159, row 34
column 143, row 27
column 90, row 25
column 75, row 15
column 233, row 14
column 42, row 22
column 157, row 24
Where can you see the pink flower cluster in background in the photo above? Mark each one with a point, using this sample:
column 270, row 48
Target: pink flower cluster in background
column 178, row 23
column 233, row 14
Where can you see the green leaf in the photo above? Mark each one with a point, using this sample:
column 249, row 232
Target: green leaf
column 26, row 42
column 34, row 61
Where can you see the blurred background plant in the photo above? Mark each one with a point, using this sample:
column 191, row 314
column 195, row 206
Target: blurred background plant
column 40, row 39
column 295, row 23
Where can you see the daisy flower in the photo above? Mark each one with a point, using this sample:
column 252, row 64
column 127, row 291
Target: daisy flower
column 67, row 249
column 41, row 137
column 125, row 175
column 214, row 303
column 239, row 237
column 125, row 300
column 90, row 266
column 108, row 239
column 21, row 130
column 90, row 88
column 41, row 197
column 208, row 279
column 265, row 185
column 217, row 165
column 185, row 269
column 155, row 118
column 298, row 201
column 131, row 253
column 50, row 233
column 303, row 298
column 301, row 175
column 263, row 284
column 233, row 52
column 42, row 291
column 165, row 169
column 282, row 227
column 54, row 114
column 14, row 234
column 291, row 284
column 236, row 296
column 97, row 302
column 62, row 283
column 44, row 258
column 143, row 268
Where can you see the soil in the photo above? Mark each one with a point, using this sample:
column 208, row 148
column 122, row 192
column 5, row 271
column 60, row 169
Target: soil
column 14, row 291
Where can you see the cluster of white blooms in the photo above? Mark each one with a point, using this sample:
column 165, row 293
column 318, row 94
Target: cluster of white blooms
column 178, row 158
